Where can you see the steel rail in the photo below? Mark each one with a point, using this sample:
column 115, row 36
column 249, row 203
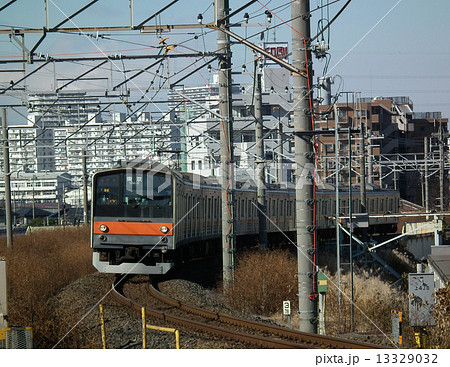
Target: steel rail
column 313, row 340
column 229, row 334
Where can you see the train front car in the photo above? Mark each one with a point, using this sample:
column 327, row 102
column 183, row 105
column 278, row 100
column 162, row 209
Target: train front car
column 132, row 220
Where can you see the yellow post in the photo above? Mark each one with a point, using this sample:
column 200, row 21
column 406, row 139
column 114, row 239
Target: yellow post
column 177, row 339
column 144, row 330
column 102, row 319
column 169, row 330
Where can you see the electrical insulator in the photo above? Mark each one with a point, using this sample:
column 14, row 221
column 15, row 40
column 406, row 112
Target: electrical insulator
column 320, row 49
column 199, row 18
column 246, row 17
column 269, row 16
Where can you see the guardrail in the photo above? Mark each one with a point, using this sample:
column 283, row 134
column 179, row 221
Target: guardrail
column 158, row 328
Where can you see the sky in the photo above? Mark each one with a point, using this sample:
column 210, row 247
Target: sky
column 378, row 48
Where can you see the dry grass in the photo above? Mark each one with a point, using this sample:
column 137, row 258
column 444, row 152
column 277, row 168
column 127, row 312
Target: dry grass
column 264, row 279
column 439, row 335
column 373, row 301
column 39, row 266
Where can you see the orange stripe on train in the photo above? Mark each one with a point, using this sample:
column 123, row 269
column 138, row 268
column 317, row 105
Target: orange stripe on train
column 133, row 228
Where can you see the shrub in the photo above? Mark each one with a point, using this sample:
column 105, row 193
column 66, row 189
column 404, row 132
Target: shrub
column 40, row 265
column 263, row 280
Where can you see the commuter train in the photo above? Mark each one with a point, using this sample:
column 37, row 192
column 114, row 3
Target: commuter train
column 146, row 217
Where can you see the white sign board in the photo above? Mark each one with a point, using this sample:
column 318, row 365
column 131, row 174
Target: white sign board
column 421, row 299
column 3, row 299
column 286, row 307
column 277, row 49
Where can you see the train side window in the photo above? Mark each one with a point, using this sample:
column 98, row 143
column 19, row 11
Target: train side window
column 209, row 208
column 188, row 205
column 193, row 207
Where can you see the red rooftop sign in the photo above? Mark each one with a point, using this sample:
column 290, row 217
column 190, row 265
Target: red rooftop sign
column 277, row 49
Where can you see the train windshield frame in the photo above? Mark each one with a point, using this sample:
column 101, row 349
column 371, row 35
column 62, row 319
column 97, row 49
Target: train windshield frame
column 133, row 193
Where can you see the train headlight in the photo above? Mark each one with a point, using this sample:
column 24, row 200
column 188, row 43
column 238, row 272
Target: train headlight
column 103, row 228
column 164, row 229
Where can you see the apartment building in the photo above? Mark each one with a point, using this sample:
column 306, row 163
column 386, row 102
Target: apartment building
column 392, row 131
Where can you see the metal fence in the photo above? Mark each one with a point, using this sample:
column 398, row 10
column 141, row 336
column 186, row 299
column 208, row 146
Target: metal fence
column 16, row 338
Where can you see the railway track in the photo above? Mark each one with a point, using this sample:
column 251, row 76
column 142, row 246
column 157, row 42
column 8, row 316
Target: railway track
column 273, row 336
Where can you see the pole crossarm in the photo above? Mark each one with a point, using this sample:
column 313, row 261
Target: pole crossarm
column 31, row 54
column 80, row 76
column 396, row 238
column 115, row 56
column 242, row 40
column 222, row 20
column 140, row 25
column 137, row 74
column 144, row 29
column 56, row 27
column 198, row 104
column 22, row 79
column 373, row 254
column 8, row 4
column 193, row 72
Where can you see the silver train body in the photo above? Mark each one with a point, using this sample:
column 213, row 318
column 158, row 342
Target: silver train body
column 145, row 218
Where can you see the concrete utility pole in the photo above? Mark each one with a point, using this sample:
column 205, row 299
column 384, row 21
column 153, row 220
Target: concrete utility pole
column 3, row 296
column 85, row 188
column 301, row 58
column 7, row 172
column 221, row 9
column 441, row 167
column 350, row 226
column 279, row 148
column 363, row 169
column 260, row 169
column 425, row 175
column 370, row 168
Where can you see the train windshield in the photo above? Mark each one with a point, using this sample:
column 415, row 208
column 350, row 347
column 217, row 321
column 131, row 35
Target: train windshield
column 134, row 193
